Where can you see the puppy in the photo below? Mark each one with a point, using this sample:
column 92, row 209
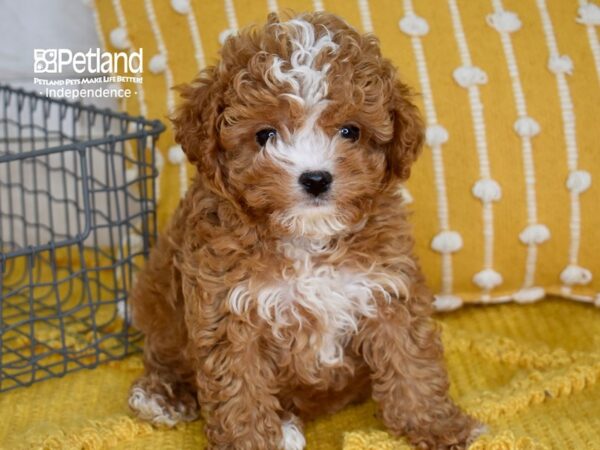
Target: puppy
column 285, row 285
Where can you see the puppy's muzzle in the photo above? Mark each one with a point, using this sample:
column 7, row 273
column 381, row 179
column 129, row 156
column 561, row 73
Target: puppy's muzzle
column 315, row 183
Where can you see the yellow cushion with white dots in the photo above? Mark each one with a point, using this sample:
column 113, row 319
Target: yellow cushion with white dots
column 506, row 196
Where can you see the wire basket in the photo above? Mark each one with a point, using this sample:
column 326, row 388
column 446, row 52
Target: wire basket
column 77, row 218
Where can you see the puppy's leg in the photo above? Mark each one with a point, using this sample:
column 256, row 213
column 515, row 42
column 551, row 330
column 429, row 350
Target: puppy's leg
column 165, row 394
column 403, row 348
column 237, row 390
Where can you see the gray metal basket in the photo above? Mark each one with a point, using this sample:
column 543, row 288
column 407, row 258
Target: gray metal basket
column 77, row 217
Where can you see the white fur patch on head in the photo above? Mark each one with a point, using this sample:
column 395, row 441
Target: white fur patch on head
column 308, row 148
column 307, row 81
column 292, row 437
column 154, row 409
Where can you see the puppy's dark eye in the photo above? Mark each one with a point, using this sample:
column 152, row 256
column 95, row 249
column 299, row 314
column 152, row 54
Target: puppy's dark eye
column 264, row 135
column 351, row 132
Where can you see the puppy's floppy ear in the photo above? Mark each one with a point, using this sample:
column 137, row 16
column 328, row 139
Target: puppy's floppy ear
column 196, row 121
column 408, row 132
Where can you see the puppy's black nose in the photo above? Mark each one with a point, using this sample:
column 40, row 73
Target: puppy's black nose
column 315, row 183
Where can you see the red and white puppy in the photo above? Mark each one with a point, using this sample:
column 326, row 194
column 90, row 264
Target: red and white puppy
column 285, row 285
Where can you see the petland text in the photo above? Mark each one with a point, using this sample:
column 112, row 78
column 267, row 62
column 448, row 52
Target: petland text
column 94, row 61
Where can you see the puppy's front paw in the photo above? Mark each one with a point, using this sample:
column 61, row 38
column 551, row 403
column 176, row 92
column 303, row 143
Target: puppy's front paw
column 454, row 435
column 160, row 406
column 283, row 434
column 292, row 437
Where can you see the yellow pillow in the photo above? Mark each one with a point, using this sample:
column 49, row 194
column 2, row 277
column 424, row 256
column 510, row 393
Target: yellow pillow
column 505, row 202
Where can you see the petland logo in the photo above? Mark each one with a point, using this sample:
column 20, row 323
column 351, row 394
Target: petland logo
column 57, row 60
column 115, row 75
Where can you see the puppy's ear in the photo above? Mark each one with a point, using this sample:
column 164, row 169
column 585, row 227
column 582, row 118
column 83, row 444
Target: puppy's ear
column 196, row 122
column 408, row 132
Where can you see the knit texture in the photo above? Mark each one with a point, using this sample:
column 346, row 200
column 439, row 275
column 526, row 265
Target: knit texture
column 506, row 192
column 530, row 372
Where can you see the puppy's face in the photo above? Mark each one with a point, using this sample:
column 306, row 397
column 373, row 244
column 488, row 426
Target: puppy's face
column 302, row 123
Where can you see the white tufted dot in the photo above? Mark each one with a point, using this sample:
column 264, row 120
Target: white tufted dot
column 158, row 63
column 504, row 21
column 526, row 126
column 118, row 38
column 447, row 242
column 181, row 6
column 176, row 155
column 225, row 34
column 529, row 295
column 436, row 135
column 574, row 274
column 560, row 64
column 467, row 76
column 131, row 174
column 487, row 190
column 413, row 25
column 447, row 302
column 589, row 14
column 579, row 181
column 487, row 279
column 535, row 234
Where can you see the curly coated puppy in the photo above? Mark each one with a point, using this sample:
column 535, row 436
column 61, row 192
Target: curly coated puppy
column 285, row 285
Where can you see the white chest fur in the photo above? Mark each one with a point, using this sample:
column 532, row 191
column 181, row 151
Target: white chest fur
column 334, row 296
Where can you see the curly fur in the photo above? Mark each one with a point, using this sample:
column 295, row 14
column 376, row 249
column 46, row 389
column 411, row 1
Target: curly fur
column 266, row 306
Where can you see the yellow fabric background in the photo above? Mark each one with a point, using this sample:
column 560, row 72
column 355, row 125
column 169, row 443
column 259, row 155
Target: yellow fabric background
column 453, row 110
column 530, row 372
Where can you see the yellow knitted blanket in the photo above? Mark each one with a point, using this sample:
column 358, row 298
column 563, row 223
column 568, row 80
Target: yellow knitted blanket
column 530, row 372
